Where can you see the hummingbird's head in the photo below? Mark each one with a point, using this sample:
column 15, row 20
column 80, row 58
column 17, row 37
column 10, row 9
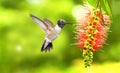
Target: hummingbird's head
column 61, row 23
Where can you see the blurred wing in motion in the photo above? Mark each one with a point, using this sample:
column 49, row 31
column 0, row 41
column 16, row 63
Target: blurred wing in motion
column 40, row 23
column 49, row 24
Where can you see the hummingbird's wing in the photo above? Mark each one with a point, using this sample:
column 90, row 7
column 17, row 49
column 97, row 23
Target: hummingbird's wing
column 49, row 24
column 41, row 23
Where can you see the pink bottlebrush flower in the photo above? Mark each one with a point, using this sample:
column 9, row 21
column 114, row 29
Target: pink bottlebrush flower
column 92, row 26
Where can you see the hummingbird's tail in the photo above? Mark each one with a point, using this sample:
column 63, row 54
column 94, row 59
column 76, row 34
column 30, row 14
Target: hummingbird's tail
column 46, row 46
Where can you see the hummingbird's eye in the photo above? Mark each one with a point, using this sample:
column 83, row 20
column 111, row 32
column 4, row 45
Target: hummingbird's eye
column 62, row 21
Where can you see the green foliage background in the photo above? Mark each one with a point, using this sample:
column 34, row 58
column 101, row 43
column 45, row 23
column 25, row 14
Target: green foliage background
column 21, row 38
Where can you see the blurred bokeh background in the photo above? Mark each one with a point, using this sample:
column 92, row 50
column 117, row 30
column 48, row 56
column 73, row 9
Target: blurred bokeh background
column 21, row 39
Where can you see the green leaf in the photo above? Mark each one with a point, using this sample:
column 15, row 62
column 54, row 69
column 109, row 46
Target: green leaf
column 92, row 2
column 106, row 6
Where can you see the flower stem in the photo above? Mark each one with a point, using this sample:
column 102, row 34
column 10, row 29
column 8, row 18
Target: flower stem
column 97, row 3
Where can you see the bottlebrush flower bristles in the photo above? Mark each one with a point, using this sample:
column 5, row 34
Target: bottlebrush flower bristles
column 92, row 27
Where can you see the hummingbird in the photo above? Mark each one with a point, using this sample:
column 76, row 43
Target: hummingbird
column 52, row 32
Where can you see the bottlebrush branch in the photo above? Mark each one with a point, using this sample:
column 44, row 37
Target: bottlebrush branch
column 91, row 30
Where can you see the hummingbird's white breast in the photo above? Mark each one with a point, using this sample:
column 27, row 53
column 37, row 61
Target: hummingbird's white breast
column 57, row 29
column 54, row 33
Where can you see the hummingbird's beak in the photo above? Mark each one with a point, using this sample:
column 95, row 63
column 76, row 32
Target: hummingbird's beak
column 68, row 23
